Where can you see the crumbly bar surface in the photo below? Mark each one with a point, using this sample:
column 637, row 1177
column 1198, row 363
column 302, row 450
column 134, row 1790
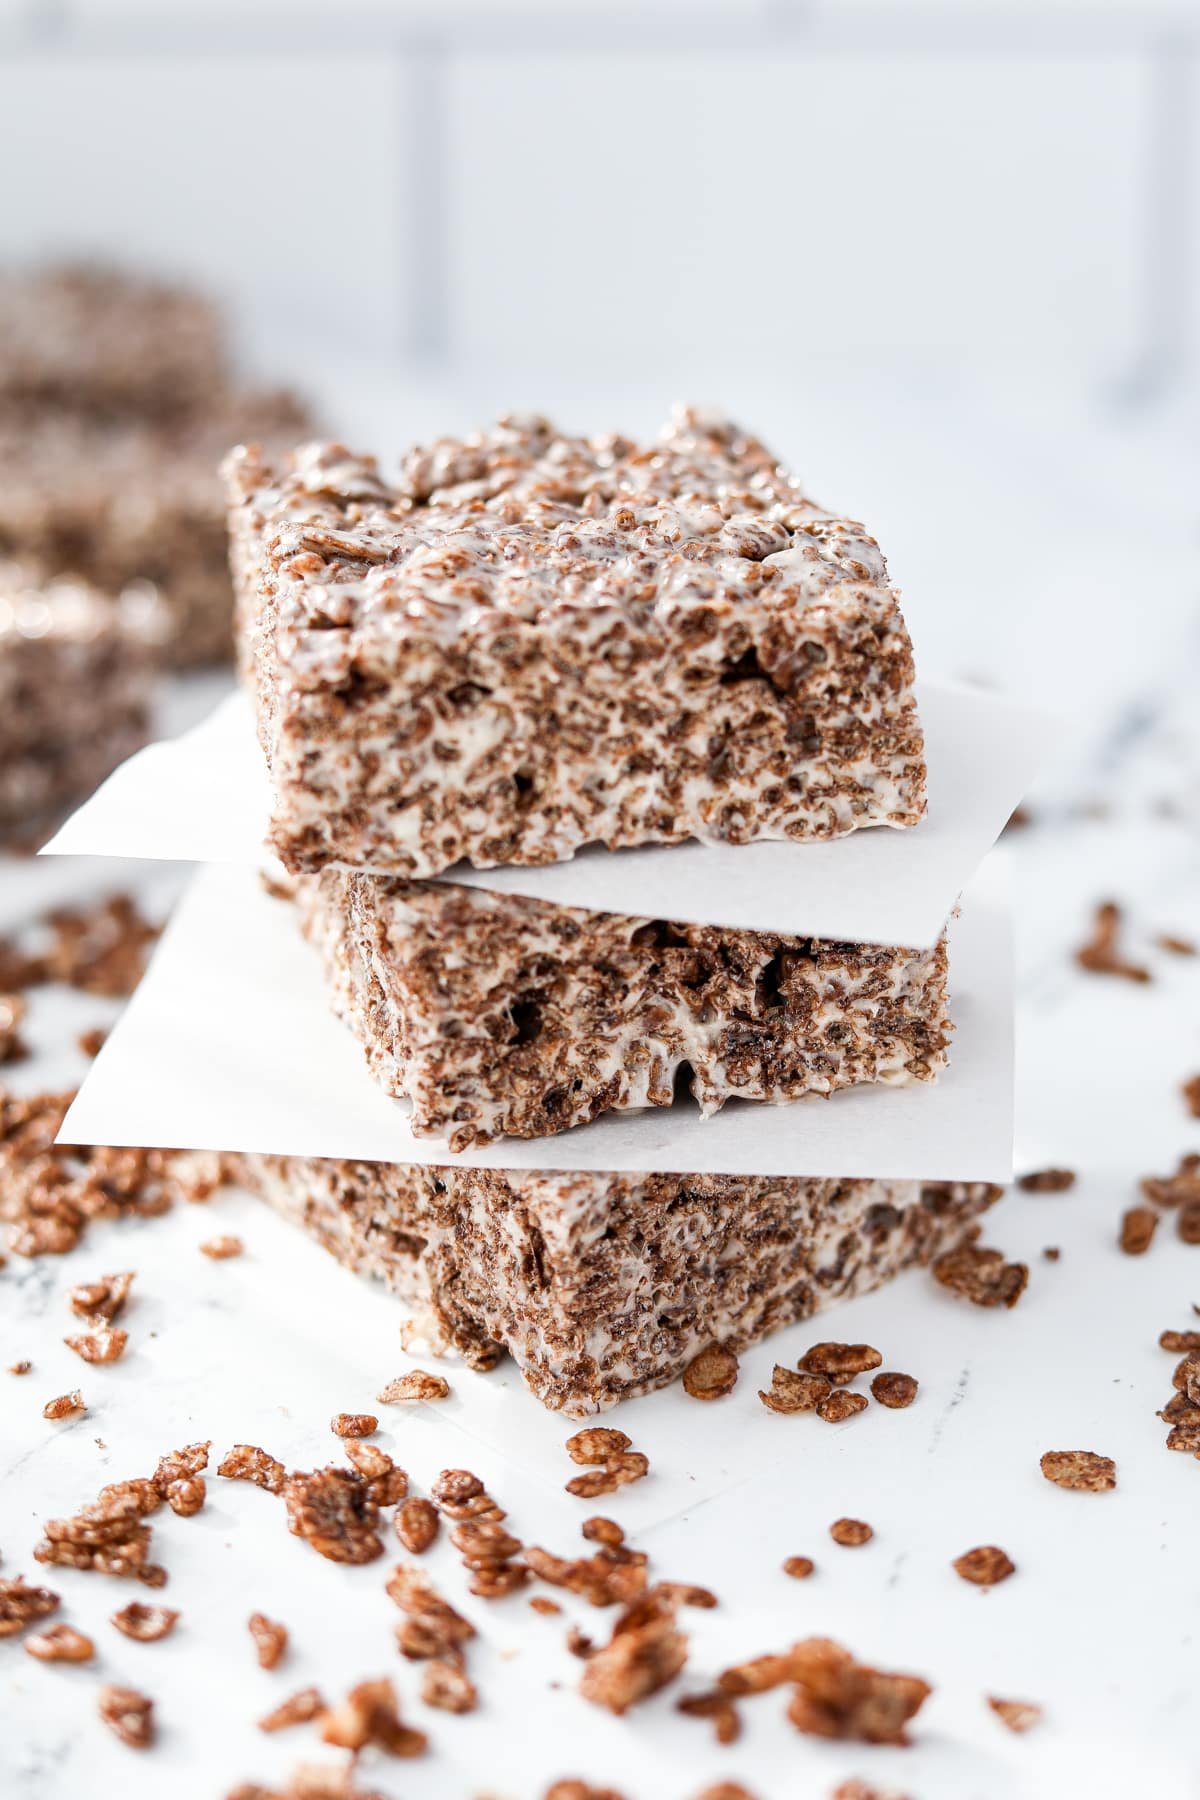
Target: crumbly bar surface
column 530, row 642
column 137, row 500
column 605, row 1286
column 77, row 673
column 495, row 1014
column 98, row 341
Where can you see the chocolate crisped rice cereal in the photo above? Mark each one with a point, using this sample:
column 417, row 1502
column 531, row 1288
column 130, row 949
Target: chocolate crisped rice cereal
column 794, row 1392
column 145, row 1624
column 128, row 1715
column 726, row 1721
column 60, row 1643
column 542, row 1603
column 1178, row 1342
column 1138, row 1226
column 332, row 1510
column 1080, row 1469
column 353, row 1425
column 1047, row 1181
column 448, row 1688
column 1185, row 1436
column 92, row 1042
column 20, row 1368
column 221, row 1249
column 66, row 1406
column 431, row 1628
column 572, row 1788
column 1187, row 1223
column 840, row 1363
column 596, row 1443
column 1191, row 1095
column 387, row 1483
column 417, row 1385
column 1180, row 1189
column 836, row 1697
column 799, row 1567
column 369, row 1715
column 617, row 1472
column 645, row 1652
column 613, row 1575
column 1018, row 1715
column 101, row 1299
column 416, row 1525
column 1186, row 1377
column 22, row 1605
column 455, row 1487
column 894, row 1390
column 298, row 1709
column 246, row 1462
column 270, row 1639
column 12, row 1017
column 1100, row 956
column 854, row 1789
column 981, row 1275
column 712, row 1374
column 99, row 1346
column 444, row 666
column 109, row 1535
column 985, row 1565
column 840, row 1405
column 599, row 1530
column 851, row 1532
column 1177, row 946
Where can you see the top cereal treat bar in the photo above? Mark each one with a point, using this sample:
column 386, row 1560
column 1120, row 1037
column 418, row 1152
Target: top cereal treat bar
column 530, row 642
column 106, row 343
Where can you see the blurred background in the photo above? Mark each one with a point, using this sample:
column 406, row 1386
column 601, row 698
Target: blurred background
column 942, row 256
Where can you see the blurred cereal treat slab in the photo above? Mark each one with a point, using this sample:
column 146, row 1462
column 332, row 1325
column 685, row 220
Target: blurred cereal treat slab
column 602, row 1286
column 77, row 671
column 530, row 642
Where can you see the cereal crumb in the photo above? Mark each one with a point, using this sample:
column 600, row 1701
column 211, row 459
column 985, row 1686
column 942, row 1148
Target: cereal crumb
column 246, row 1462
column 20, row 1368
column 1052, row 1253
column 851, row 1532
column 445, row 1686
column 369, row 1715
column 22, row 1605
column 836, row 1697
column 297, row 1709
column 617, row 1472
column 542, row 1603
column 60, row 1643
column 712, row 1374
column 841, row 1405
column 99, row 1346
column 645, row 1652
column 416, row 1524
column 1099, row 955
column 334, row 1511
column 985, row 1565
column 67, row 1406
column 596, row 1443
column 270, row 1639
column 220, row 1249
column 145, row 1624
column 799, row 1567
column 353, row 1425
column 1138, row 1226
column 102, row 1299
column 1018, row 1715
column 894, row 1390
column 1047, row 1181
column 1080, row 1469
column 1180, row 1189
column 418, row 1384
column 128, row 1715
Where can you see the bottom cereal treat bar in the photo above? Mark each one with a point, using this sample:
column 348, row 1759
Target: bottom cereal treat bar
column 76, row 680
column 602, row 1286
column 499, row 1015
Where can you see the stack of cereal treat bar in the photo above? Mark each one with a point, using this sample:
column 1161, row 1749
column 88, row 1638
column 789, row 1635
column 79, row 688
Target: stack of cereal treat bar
column 525, row 645
column 117, row 403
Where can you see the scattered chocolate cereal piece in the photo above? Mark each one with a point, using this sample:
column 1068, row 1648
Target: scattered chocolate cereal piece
column 416, row 1385
column 1099, row 955
column 108, row 1535
column 99, row 1346
column 22, row 1605
column 1179, row 1341
column 1047, row 1181
column 1018, row 1715
column 840, row 1363
column 12, row 1017
column 128, row 1715
column 1186, row 1377
column 618, row 1471
column 1187, row 1225
column 431, row 1628
column 854, row 1789
column 455, row 1488
column 1177, row 946
column 270, row 1639
column 542, row 1603
column 100, row 949
column 836, row 1697
column 613, row 1575
column 712, row 1374
column 841, row 1405
column 1180, row 1189
column 851, row 1532
column 246, row 1462
column 794, row 1392
column 369, row 1715
column 572, row 1788
column 645, row 1652
column 981, row 1275
column 445, row 1686
column 145, row 1624
column 1052, row 1253
column 714, row 1705
column 297, row 1709
column 353, row 1425
column 92, row 1042
column 894, row 1390
column 799, row 1567
column 687, row 1593
column 333, row 1510
column 985, row 1565
column 20, row 1368
column 1186, row 1435
column 416, row 1525
column 579, row 1643
column 596, row 1443
column 60, row 1643
column 1191, row 1095
column 67, row 1406
column 220, row 1249
column 1138, row 1226
column 1083, row 1470
column 387, row 1483
column 599, row 1530
column 101, row 1299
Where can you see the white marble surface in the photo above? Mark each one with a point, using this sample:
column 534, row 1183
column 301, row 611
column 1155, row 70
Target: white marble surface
column 1098, row 1625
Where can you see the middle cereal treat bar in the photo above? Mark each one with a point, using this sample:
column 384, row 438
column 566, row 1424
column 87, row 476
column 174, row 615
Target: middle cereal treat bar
column 497, row 1014
column 531, row 642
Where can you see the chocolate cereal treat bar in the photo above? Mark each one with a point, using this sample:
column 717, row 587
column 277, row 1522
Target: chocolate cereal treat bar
column 108, row 344
column 530, row 642
column 137, row 500
column 76, row 680
column 496, row 1014
column 604, row 1286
